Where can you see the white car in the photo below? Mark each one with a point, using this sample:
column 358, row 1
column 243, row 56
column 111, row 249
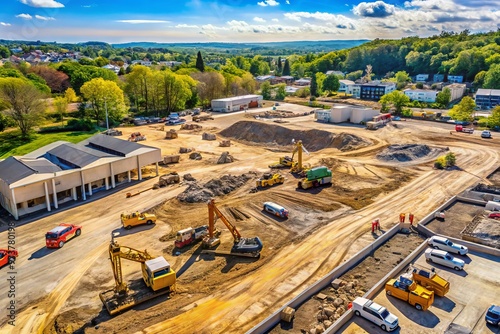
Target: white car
column 444, row 258
column 486, row 134
column 446, row 245
column 377, row 314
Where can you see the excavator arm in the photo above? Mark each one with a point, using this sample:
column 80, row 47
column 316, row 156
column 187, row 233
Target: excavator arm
column 116, row 253
column 213, row 214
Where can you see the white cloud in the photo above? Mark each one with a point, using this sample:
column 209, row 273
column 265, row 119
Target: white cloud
column 287, row 2
column 266, row 3
column 44, row 18
column 24, row 16
column 186, row 26
column 42, row 3
column 142, row 21
column 373, row 9
column 320, row 16
column 259, row 19
column 4, row 24
column 275, row 20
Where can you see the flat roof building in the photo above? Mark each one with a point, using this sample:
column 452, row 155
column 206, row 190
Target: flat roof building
column 237, row 103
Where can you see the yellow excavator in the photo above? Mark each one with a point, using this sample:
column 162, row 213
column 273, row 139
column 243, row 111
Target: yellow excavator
column 286, row 161
column 247, row 247
column 157, row 274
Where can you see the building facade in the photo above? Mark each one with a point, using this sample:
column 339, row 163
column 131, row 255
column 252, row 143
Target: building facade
column 457, row 91
column 237, row 103
column 345, row 113
column 422, row 77
column 62, row 172
column 487, row 98
column 375, row 90
column 455, row 78
column 344, row 85
column 421, row 95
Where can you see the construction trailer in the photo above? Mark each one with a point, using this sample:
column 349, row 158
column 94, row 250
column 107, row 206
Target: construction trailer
column 345, row 113
column 237, row 103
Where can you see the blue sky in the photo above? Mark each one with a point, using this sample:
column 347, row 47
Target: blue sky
column 240, row 20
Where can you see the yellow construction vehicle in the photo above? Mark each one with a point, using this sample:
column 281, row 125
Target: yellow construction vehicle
column 295, row 166
column 159, row 277
column 268, row 180
column 247, row 247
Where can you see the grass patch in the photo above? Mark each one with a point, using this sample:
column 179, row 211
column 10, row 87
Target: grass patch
column 11, row 142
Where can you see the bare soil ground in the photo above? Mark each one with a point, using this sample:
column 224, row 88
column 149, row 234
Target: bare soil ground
column 495, row 177
column 458, row 217
column 58, row 290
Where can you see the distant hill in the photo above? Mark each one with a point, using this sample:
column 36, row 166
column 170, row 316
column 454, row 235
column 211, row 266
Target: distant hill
column 295, row 45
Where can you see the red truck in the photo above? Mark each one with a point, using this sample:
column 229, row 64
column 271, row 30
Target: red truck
column 7, row 256
column 461, row 128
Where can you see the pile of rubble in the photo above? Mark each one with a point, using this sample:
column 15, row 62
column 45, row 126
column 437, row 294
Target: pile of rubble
column 196, row 193
column 190, row 126
column 405, row 152
column 335, row 304
column 185, row 150
column 225, row 158
column 171, row 134
column 208, row 136
column 195, row 156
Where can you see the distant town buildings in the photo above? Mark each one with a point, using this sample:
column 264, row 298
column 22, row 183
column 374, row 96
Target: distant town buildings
column 237, row 103
column 371, row 91
column 487, row 98
column 422, row 77
column 455, row 78
column 421, row 95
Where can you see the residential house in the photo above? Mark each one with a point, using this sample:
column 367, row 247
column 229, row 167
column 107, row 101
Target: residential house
column 337, row 73
column 291, row 90
column 422, row 77
column 287, row 79
column 487, row 98
column 455, row 78
column 421, row 95
column 144, row 62
column 438, row 78
column 113, row 68
column 303, row 82
column 262, row 78
column 344, row 85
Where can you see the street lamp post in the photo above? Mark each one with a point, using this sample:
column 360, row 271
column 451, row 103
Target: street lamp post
column 107, row 121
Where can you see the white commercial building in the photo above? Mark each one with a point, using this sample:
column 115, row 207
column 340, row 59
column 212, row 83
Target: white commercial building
column 62, row 172
column 237, row 103
column 345, row 113
column 344, row 85
column 457, row 91
column 422, row 77
column 421, row 95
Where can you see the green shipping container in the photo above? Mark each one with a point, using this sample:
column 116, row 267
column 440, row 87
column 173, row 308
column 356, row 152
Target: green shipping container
column 318, row 173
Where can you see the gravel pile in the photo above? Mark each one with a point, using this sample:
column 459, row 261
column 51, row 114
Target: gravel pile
column 196, row 193
column 404, row 153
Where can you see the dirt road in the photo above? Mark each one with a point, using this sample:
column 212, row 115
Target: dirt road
column 57, row 290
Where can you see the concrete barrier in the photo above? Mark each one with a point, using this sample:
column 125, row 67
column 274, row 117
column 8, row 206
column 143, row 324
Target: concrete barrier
column 274, row 318
column 378, row 286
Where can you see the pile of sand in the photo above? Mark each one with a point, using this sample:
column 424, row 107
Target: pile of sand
column 196, row 193
column 313, row 140
column 405, row 152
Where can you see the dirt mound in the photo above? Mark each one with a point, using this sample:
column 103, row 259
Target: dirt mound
column 196, row 193
column 313, row 140
column 403, row 153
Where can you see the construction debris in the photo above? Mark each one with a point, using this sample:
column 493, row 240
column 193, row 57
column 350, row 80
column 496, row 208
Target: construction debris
column 216, row 187
column 113, row 132
column 169, row 159
column 287, row 314
column 190, row 126
column 185, row 150
column 188, row 177
column 225, row 143
column 171, row 134
column 225, row 158
column 195, row 156
column 208, row 136
column 170, row 178
column 405, row 152
column 136, row 136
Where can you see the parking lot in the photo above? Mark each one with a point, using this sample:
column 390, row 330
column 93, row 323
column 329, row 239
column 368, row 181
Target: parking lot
column 462, row 310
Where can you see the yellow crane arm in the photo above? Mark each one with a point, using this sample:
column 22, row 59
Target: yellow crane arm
column 213, row 214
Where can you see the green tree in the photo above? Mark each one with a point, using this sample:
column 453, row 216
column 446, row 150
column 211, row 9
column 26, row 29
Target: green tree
column 199, row 62
column 419, row 85
column 331, row 84
column 61, row 106
column 23, row 102
column 464, row 110
column 70, row 95
column 314, row 86
column 402, row 77
column 397, row 99
column 479, row 79
column 353, row 76
column 286, row 68
column 210, row 86
column 444, row 97
column 450, row 159
column 280, row 66
column 265, row 90
column 101, row 61
column 492, row 77
column 494, row 119
column 4, row 52
column 281, row 92
column 104, row 95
